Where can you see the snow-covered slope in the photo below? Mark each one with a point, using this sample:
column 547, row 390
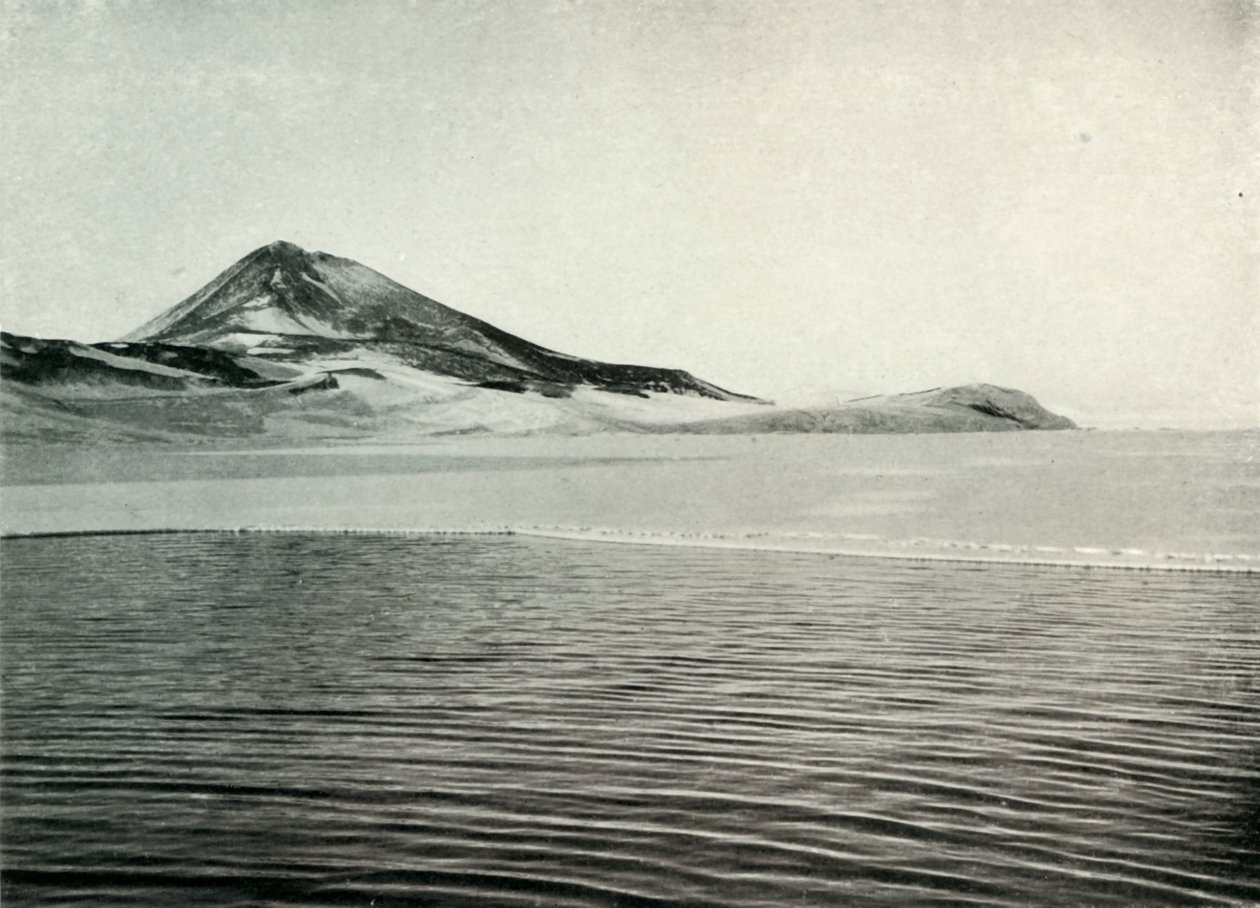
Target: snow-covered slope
column 296, row 345
column 66, row 391
column 289, row 304
column 966, row 408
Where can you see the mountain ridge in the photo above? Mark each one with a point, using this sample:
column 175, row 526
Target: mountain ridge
column 281, row 292
column 290, row 342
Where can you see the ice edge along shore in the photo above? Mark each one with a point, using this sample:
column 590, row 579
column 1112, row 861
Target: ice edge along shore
column 807, row 544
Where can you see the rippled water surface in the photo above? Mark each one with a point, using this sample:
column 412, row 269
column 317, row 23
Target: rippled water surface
column 327, row 720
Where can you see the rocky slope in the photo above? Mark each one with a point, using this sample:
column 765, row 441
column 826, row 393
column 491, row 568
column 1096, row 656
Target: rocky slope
column 290, row 344
column 288, row 304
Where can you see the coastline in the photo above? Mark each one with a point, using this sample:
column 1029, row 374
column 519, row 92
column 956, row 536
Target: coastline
column 1011, row 557
column 1128, row 500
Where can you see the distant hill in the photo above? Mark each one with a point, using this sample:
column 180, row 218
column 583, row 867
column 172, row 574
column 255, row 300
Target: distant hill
column 294, row 344
column 968, row 408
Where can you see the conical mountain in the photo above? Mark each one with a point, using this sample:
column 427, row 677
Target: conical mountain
column 290, row 344
column 284, row 297
column 281, row 289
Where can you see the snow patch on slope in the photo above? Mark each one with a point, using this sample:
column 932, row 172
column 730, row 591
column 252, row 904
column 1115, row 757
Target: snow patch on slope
column 260, row 316
column 322, row 286
column 658, row 408
column 131, row 364
column 267, row 321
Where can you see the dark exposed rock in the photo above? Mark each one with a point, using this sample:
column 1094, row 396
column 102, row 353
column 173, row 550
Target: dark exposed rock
column 317, row 304
column 260, row 348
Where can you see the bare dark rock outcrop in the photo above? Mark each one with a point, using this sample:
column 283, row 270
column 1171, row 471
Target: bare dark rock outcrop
column 288, row 343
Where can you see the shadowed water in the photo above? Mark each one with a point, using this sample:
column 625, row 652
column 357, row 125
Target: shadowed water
column 329, row 720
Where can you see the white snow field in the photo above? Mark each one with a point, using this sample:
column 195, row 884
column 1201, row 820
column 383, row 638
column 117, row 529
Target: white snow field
column 1127, row 499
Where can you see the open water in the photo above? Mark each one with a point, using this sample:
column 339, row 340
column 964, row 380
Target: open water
column 373, row 720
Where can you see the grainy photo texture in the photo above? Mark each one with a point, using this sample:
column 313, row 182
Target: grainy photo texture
column 591, row 453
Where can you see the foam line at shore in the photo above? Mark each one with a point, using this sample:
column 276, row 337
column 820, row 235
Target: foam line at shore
column 851, row 546
column 846, row 545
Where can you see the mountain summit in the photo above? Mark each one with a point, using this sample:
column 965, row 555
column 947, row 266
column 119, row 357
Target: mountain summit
column 281, row 301
column 283, row 290
column 305, row 346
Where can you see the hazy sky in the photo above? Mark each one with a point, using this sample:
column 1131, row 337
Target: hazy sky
column 786, row 198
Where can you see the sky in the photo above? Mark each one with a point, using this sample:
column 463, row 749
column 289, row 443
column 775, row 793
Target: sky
column 801, row 200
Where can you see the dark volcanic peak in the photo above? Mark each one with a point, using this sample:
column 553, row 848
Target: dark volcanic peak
column 301, row 344
column 285, row 297
column 281, row 289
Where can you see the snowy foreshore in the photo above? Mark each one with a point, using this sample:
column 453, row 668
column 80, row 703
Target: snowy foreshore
column 1122, row 499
